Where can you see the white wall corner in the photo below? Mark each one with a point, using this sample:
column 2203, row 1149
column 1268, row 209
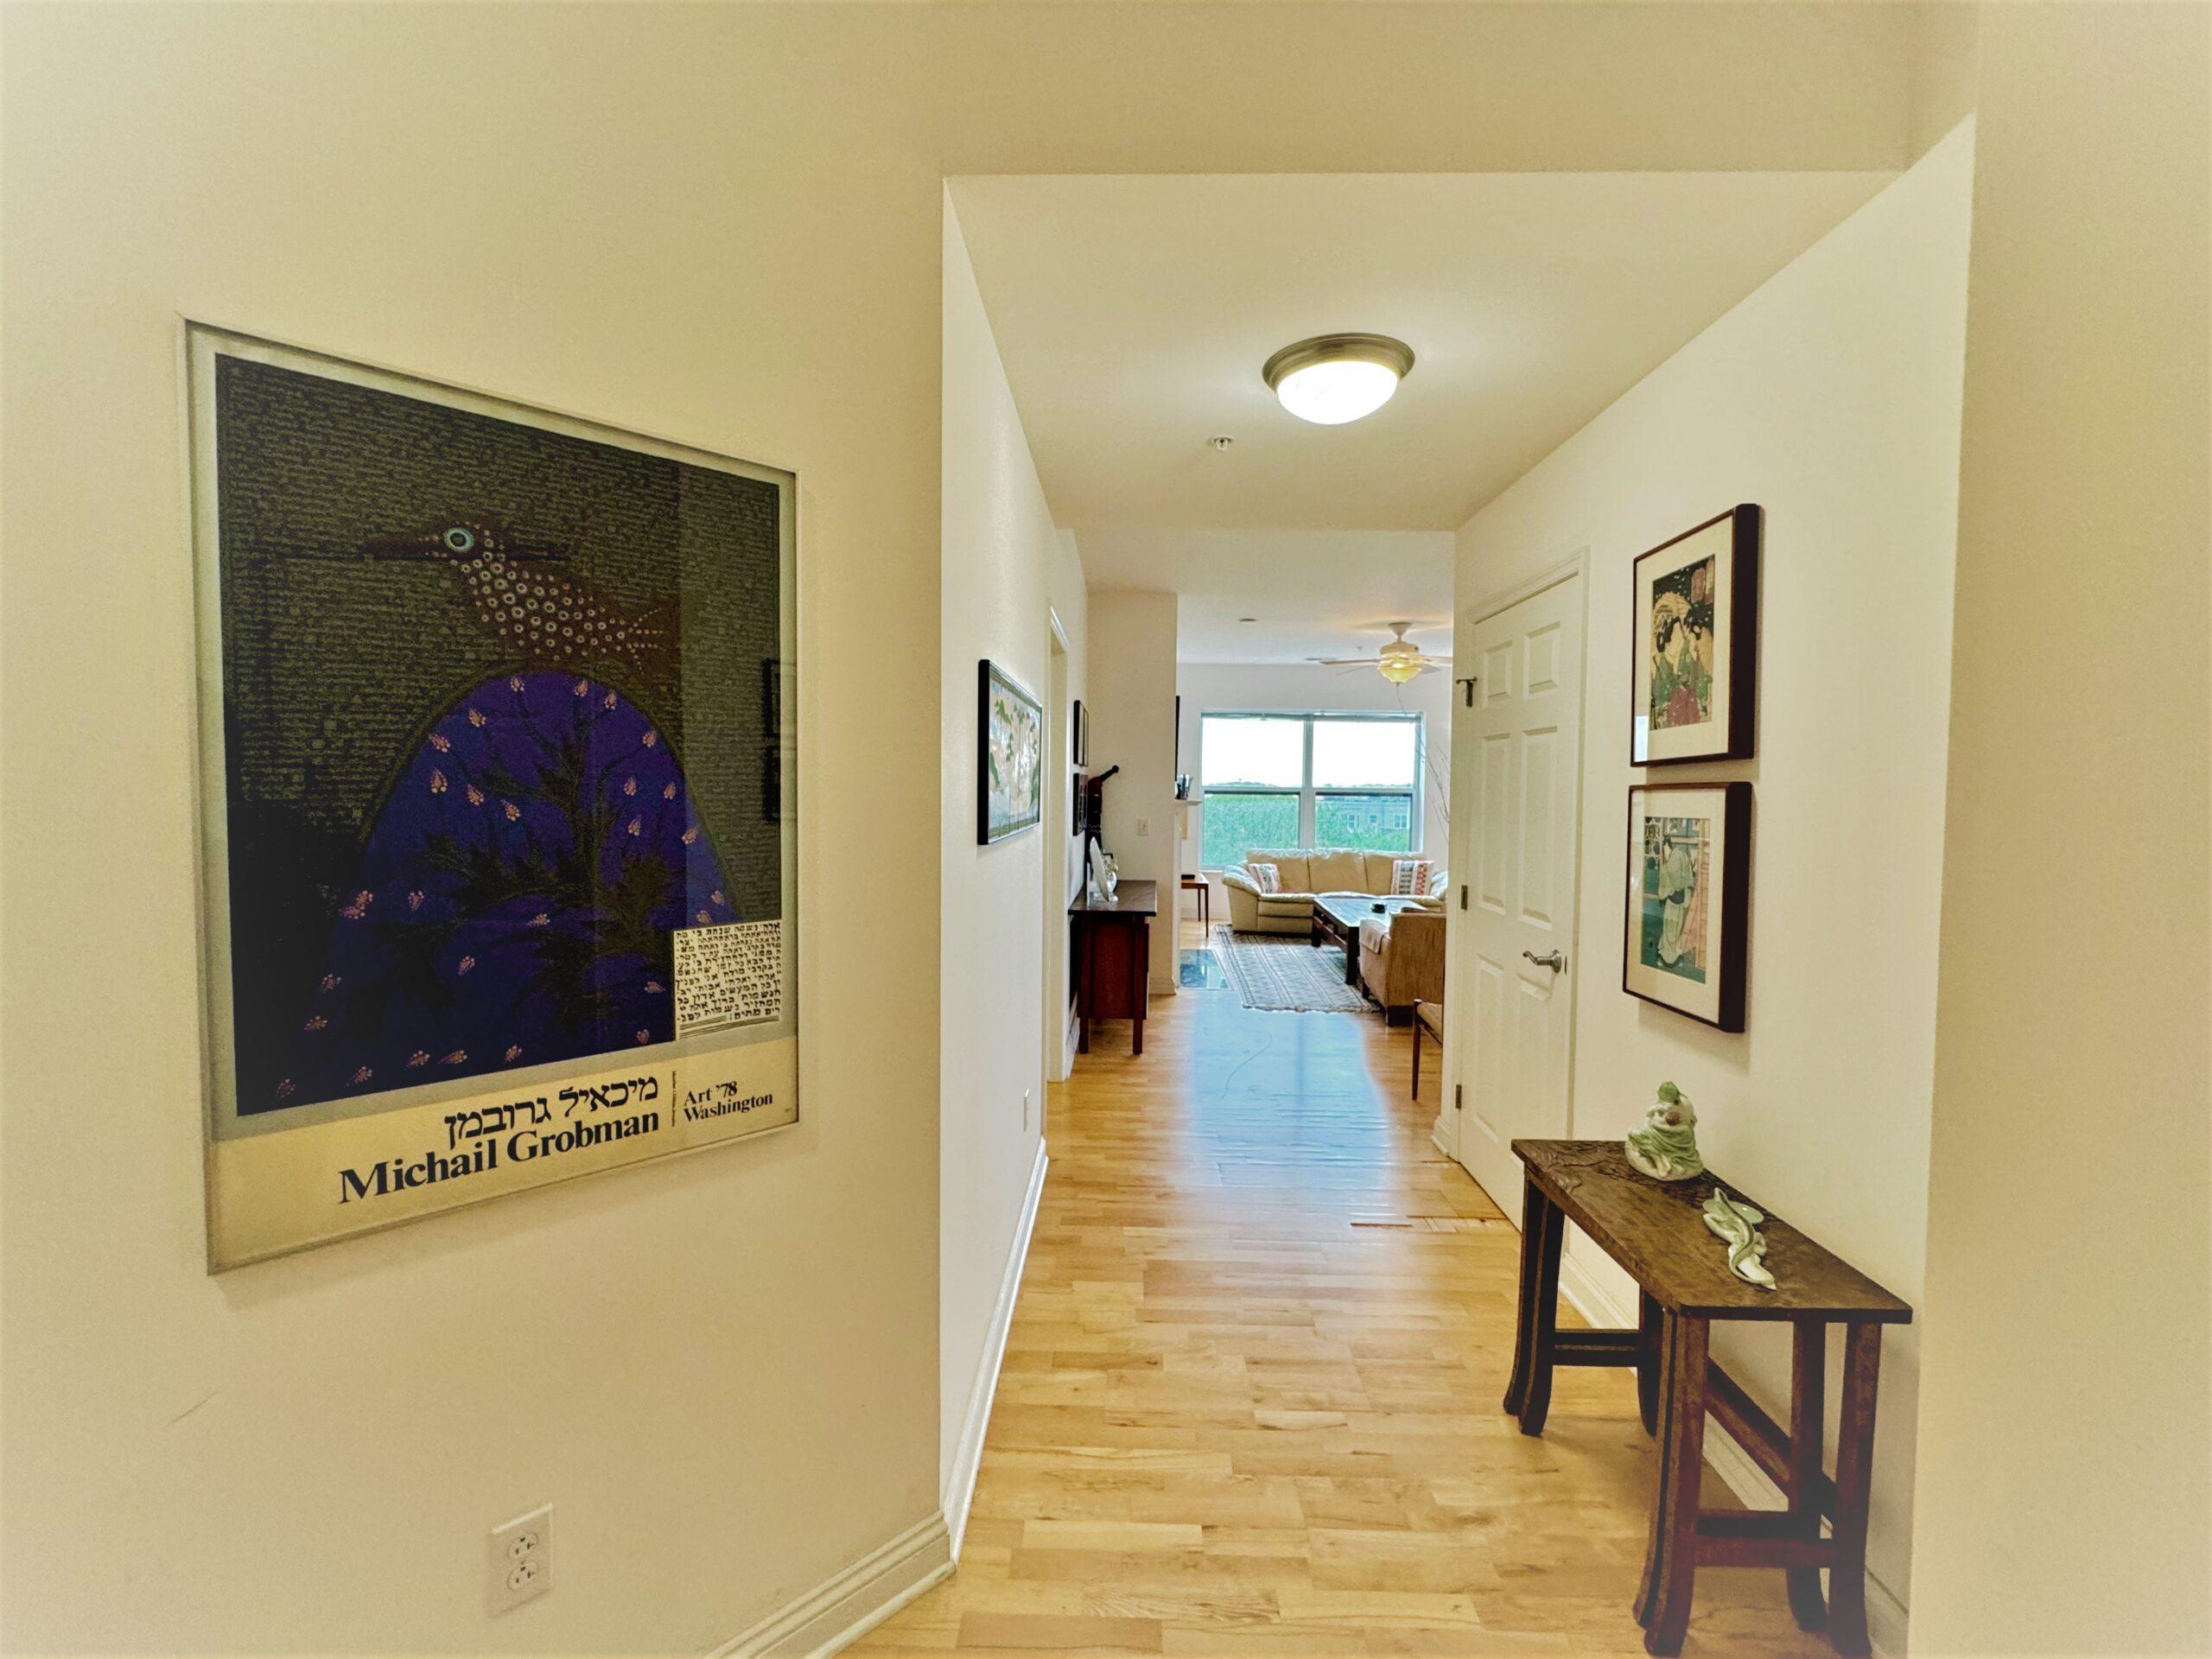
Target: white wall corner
column 846, row 1607
column 1069, row 1037
column 968, row 1453
column 1885, row 1614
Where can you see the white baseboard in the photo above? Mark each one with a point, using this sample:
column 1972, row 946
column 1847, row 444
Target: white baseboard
column 1436, row 1139
column 968, row 1453
column 1885, row 1614
column 840, row 1611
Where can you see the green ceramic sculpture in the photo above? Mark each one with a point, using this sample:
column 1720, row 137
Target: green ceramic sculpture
column 1736, row 1224
column 1665, row 1148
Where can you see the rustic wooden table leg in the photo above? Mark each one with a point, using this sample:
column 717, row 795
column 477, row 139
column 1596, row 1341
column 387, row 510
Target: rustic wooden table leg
column 1655, row 1552
column 1650, row 1332
column 1808, row 1375
column 1674, row 1519
column 1543, row 1326
column 1854, row 1474
column 1533, row 1206
column 1543, row 1227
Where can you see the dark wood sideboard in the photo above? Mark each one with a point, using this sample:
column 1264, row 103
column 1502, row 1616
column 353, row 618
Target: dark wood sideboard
column 1110, row 948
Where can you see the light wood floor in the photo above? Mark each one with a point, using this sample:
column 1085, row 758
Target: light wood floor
column 1250, row 1404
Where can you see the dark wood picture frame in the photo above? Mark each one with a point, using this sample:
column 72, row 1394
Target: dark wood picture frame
column 989, row 678
column 1731, row 928
column 1081, row 743
column 1735, row 666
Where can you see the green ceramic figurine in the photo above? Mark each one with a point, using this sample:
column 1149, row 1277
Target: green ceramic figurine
column 1665, row 1148
column 1736, row 1224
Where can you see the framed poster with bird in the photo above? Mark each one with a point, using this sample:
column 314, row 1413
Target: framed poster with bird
column 491, row 891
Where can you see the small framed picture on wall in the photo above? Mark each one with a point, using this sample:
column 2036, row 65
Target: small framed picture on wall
column 1009, row 757
column 1687, row 929
column 1694, row 679
column 1081, row 736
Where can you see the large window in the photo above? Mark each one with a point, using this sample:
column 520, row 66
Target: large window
column 1308, row 780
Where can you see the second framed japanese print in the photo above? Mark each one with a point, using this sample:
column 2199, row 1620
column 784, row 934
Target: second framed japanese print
column 1689, row 889
column 1695, row 675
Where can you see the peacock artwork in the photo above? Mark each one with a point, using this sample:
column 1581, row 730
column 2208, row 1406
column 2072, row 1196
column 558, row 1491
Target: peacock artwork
column 496, row 693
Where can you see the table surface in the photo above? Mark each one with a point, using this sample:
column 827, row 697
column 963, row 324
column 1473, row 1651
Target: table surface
column 1349, row 910
column 1130, row 899
column 1656, row 1230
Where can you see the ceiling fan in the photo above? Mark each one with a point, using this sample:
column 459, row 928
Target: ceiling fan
column 1399, row 661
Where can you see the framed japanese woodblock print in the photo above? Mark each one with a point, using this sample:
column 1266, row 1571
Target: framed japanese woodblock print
column 491, row 894
column 1696, row 674
column 1689, row 886
column 1010, row 760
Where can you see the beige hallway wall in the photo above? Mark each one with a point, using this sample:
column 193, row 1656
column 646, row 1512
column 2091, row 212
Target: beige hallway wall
column 1830, row 397
column 722, row 224
column 1132, row 705
column 1007, row 570
column 2066, row 1471
column 721, row 1368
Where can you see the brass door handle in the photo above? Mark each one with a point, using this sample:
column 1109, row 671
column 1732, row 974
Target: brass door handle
column 1550, row 959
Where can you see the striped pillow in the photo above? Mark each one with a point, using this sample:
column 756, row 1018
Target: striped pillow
column 1408, row 878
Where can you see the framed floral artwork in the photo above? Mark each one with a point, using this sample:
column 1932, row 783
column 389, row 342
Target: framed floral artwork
column 1694, row 675
column 1686, row 927
column 1010, row 756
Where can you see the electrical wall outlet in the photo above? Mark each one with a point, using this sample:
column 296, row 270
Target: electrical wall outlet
column 1144, row 826
column 518, row 1562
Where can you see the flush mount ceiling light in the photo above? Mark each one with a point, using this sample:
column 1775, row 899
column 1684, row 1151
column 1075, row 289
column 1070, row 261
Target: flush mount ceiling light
column 1332, row 378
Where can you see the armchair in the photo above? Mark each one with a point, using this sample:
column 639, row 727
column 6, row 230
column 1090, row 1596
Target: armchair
column 1401, row 959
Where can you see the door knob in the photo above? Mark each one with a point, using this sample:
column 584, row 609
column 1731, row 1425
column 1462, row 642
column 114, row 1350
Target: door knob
column 1550, row 959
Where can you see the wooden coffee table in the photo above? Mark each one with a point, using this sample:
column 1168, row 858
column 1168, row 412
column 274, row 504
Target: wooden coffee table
column 1337, row 916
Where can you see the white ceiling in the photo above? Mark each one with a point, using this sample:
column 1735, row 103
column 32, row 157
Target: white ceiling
column 1313, row 593
column 1134, row 312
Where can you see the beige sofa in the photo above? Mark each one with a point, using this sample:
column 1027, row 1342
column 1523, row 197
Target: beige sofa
column 1302, row 872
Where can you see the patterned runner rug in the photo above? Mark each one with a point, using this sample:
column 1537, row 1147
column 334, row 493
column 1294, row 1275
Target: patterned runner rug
column 1284, row 973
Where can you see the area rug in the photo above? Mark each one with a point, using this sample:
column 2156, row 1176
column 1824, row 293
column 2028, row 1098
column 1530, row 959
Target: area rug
column 1284, row 974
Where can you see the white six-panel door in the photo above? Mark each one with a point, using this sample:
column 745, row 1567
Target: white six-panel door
column 1517, row 790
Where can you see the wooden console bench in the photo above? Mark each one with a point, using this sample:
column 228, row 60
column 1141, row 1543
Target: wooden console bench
column 1656, row 1230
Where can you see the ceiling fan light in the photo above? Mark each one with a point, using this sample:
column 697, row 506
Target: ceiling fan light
column 1334, row 378
column 1400, row 668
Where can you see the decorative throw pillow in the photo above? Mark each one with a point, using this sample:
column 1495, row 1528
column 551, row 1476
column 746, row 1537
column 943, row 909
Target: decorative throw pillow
column 1438, row 881
column 1267, row 878
column 1408, row 877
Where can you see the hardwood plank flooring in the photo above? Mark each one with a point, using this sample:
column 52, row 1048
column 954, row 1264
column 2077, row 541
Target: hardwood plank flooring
column 1249, row 1405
